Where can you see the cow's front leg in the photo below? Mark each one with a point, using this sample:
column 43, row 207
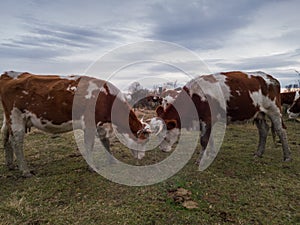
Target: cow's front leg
column 16, row 138
column 89, row 141
column 263, row 129
column 103, row 133
column 17, row 141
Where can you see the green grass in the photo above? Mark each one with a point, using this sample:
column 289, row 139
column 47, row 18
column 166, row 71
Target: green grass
column 235, row 189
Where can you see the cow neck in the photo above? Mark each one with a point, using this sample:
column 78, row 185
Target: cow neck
column 171, row 114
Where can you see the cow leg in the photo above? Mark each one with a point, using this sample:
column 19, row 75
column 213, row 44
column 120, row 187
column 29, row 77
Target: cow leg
column 103, row 135
column 281, row 132
column 17, row 139
column 89, row 141
column 273, row 135
column 205, row 134
column 9, row 153
column 263, row 129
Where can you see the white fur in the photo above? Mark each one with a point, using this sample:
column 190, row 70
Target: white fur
column 265, row 103
column 92, row 87
column 13, row 74
column 71, row 88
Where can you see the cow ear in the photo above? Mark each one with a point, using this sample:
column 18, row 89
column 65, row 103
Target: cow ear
column 159, row 110
column 171, row 124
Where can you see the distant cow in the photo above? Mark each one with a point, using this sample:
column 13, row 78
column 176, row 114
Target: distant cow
column 289, row 97
column 46, row 102
column 294, row 110
column 168, row 97
column 248, row 96
column 148, row 102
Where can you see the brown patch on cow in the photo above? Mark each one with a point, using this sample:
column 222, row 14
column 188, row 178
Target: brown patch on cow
column 159, row 110
column 241, row 85
column 44, row 93
column 171, row 124
column 288, row 97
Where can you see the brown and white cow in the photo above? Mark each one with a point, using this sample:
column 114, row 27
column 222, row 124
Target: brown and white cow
column 247, row 96
column 294, row 110
column 288, row 98
column 46, row 102
column 149, row 102
column 168, row 97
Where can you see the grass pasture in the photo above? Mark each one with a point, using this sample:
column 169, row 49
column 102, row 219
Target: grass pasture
column 235, row 189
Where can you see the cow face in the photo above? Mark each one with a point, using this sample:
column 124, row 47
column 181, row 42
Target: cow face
column 294, row 110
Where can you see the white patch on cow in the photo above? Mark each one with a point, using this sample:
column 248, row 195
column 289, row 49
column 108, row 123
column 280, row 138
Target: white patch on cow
column 107, row 127
column 264, row 103
column 209, row 88
column 170, row 138
column 25, row 92
column 70, row 77
column 292, row 115
column 71, row 88
column 265, row 76
column 103, row 90
column 17, row 120
column 225, row 88
column 13, row 74
column 92, row 87
column 167, row 100
column 3, row 124
column 157, row 125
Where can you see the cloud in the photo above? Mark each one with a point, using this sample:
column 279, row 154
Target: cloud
column 287, row 59
column 229, row 35
column 201, row 24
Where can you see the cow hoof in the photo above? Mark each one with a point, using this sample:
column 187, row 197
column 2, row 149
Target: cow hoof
column 11, row 167
column 288, row 159
column 257, row 155
column 27, row 174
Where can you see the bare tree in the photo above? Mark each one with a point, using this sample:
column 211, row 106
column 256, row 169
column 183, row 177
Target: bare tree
column 134, row 87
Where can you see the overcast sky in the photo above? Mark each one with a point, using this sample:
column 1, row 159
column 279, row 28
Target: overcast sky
column 67, row 37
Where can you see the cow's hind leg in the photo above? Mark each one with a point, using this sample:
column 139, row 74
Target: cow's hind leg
column 263, row 129
column 9, row 153
column 281, row 132
column 204, row 138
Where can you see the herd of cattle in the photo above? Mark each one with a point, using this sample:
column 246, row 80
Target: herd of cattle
column 47, row 102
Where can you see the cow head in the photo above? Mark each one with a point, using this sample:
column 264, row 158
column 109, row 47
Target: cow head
column 137, row 143
column 167, row 129
column 294, row 110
